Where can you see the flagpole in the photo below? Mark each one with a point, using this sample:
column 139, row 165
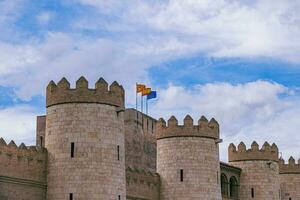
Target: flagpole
column 142, row 103
column 136, row 105
column 147, row 106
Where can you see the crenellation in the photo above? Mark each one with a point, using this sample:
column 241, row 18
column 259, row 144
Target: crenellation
column 267, row 152
column 172, row 129
column 95, row 148
column 62, row 93
column 289, row 168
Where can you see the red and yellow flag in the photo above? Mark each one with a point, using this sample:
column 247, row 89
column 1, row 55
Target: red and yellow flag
column 146, row 91
column 140, row 88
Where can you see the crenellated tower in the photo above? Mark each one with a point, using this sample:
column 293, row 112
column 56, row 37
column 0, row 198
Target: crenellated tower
column 188, row 159
column 260, row 170
column 85, row 141
column 289, row 174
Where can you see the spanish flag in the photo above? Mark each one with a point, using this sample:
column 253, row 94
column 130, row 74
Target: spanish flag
column 146, row 91
column 140, row 88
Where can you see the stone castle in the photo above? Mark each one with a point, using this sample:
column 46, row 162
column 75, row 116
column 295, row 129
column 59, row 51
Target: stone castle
column 88, row 147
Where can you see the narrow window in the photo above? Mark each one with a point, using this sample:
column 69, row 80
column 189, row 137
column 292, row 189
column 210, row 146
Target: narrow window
column 71, row 196
column 152, row 127
column 252, row 192
column 290, row 198
column 41, row 140
column 118, row 149
column 218, row 178
column 181, row 175
column 119, row 197
column 72, row 149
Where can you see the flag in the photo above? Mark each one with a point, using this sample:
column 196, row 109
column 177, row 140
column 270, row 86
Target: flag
column 151, row 95
column 140, row 88
column 146, row 91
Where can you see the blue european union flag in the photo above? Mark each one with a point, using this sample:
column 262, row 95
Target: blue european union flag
column 151, row 95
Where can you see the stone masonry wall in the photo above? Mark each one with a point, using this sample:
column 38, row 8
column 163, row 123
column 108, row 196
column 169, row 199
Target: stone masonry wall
column 140, row 142
column 262, row 176
column 142, row 185
column 40, row 131
column 199, row 159
column 22, row 172
column 289, row 179
column 95, row 171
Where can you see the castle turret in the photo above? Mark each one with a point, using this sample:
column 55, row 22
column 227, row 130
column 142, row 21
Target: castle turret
column 260, row 172
column 85, row 141
column 188, row 159
column 289, row 174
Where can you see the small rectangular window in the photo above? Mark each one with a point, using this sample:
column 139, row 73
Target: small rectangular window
column 71, row 196
column 152, row 127
column 72, row 149
column 252, row 192
column 119, row 197
column 41, row 140
column 118, row 149
column 181, row 175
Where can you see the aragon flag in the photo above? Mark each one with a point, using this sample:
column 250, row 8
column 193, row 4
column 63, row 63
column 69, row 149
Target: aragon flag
column 140, row 88
column 151, row 95
column 146, row 91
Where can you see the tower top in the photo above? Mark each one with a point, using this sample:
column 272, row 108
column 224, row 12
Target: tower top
column 205, row 128
column 61, row 93
column 290, row 168
column 267, row 152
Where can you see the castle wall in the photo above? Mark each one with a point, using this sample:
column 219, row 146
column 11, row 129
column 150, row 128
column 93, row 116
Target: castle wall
column 40, row 131
column 289, row 179
column 142, row 185
column 260, row 171
column 140, row 142
column 96, row 128
column 193, row 153
column 22, row 172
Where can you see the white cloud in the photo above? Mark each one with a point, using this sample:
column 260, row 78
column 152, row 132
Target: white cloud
column 18, row 123
column 218, row 28
column 60, row 55
column 45, row 17
column 246, row 112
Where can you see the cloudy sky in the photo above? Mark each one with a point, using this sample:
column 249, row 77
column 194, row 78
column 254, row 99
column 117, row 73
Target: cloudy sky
column 237, row 61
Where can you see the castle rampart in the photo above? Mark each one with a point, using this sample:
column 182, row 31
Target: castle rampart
column 85, row 141
column 140, row 142
column 22, row 169
column 142, row 185
column 289, row 179
column 188, row 159
column 267, row 152
column 62, row 93
column 260, row 171
column 205, row 128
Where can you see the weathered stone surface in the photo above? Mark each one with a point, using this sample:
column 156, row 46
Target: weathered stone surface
column 62, row 93
column 140, row 142
column 198, row 158
column 95, row 171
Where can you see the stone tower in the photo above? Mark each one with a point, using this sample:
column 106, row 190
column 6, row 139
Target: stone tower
column 260, row 177
column 188, row 159
column 85, row 141
column 289, row 179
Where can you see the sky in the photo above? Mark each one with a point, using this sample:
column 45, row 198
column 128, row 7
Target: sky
column 236, row 61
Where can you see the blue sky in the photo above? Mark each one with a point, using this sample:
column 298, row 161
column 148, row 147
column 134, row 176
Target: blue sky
column 237, row 61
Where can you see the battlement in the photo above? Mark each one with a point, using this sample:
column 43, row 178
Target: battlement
column 290, row 168
column 22, row 161
column 142, row 184
column 205, row 128
column 61, row 93
column 267, row 152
